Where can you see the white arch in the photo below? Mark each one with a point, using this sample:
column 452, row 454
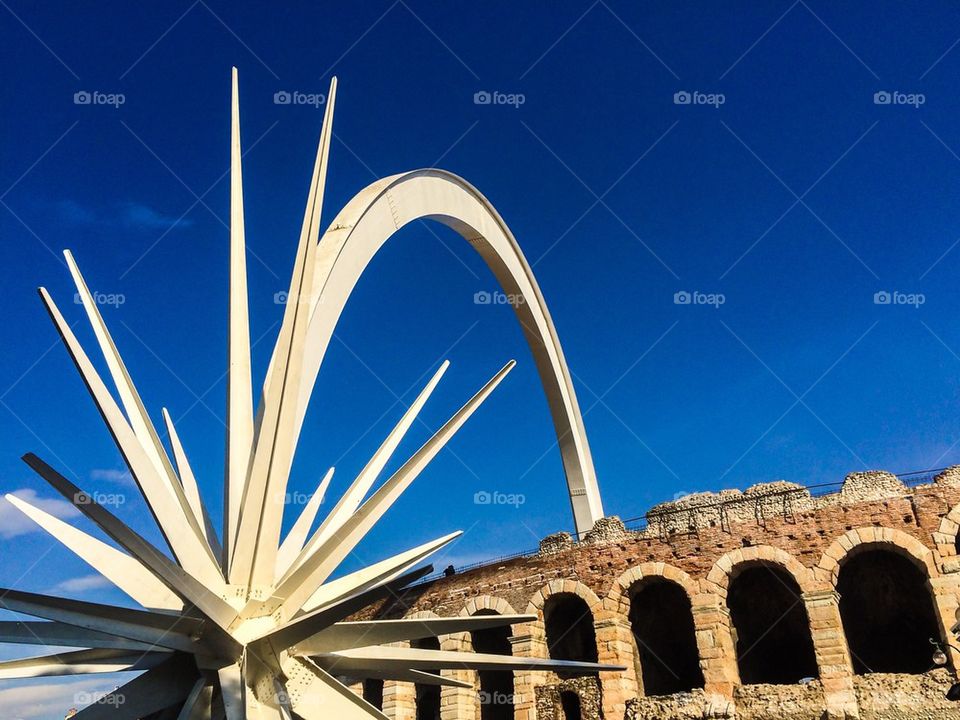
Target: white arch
column 371, row 218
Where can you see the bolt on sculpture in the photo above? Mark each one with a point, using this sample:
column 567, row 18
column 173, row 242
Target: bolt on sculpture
column 256, row 629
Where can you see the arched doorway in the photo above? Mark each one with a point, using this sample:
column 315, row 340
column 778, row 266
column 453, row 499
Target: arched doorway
column 427, row 696
column 887, row 612
column 373, row 692
column 666, row 644
column 496, row 688
column 570, row 705
column 569, row 628
column 772, row 630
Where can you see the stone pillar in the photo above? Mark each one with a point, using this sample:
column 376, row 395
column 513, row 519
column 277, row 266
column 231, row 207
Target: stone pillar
column 718, row 656
column 399, row 700
column 832, row 653
column 946, row 596
column 458, row 703
column 615, row 647
column 526, row 681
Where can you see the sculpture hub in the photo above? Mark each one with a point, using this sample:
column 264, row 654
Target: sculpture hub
column 241, row 624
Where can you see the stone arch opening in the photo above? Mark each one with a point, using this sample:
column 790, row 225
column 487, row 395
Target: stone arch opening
column 887, row 611
column 427, row 696
column 570, row 705
column 373, row 692
column 661, row 620
column 496, row 688
column 771, row 628
column 570, row 633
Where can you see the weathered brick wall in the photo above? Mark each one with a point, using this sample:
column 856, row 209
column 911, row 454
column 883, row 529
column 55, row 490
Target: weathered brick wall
column 698, row 542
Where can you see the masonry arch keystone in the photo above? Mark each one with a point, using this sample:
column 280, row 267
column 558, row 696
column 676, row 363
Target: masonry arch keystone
column 723, row 570
column 829, row 565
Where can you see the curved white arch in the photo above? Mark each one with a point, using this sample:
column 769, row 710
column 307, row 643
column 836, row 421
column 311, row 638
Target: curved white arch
column 371, row 218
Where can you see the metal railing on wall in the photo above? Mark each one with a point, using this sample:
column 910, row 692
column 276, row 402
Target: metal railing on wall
column 641, row 522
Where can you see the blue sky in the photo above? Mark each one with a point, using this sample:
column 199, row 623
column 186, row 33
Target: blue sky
column 787, row 186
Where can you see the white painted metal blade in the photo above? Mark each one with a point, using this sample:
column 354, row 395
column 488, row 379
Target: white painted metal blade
column 239, row 382
column 80, row 662
column 416, row 676
column 136, row 412
column 281, row 639
column 305, row 579
column 190, row 488
column 381, row 658
column 119, row 568
column 358, row 490
column 166, row 571
column 57, row 634
column 258, row 537
column 377, row 574
column 171, row 631
column 293, row 543
column 198, row 705
column 191, row 552
column 232, row 691
column 317, row 695
column 347, row 635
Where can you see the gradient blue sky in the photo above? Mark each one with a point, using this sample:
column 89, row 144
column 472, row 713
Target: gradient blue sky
column 798, row 199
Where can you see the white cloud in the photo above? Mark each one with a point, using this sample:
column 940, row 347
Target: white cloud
column 82, row 584
column 14, row 523
column 131, row 214
column 110, row 475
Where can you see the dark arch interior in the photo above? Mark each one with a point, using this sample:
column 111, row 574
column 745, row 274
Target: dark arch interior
column 496, row 688
column 428, row 696
column 662, row 624
column 887, row 612
column 570, row 704
column 373, row 692
column 569, row 626
column 773, row 634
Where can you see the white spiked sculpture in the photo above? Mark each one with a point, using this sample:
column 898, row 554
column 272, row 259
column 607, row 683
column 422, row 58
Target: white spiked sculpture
column 255, row 628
